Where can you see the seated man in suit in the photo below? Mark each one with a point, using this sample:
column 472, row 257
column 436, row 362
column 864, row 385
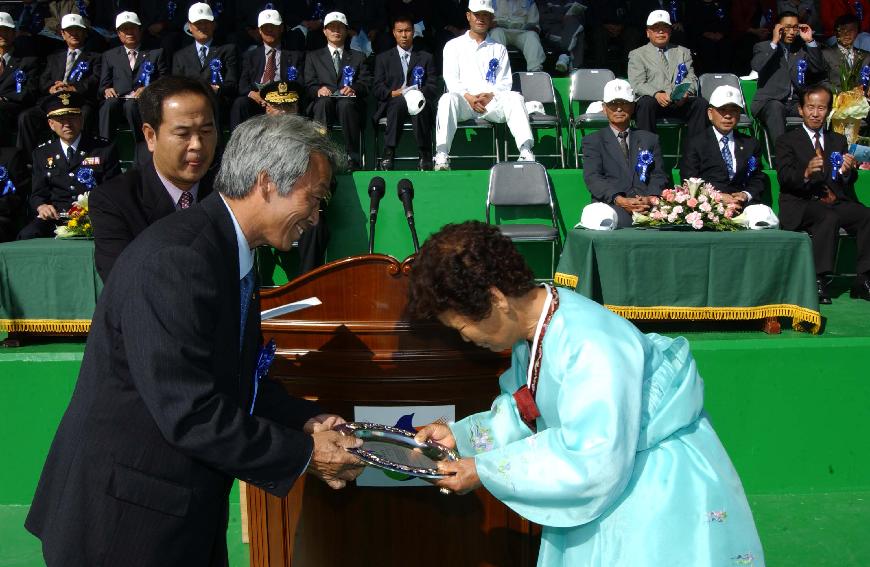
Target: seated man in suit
column 477, row 74
column 396, row 70
column 516, row 25
column 262, row 65
column 14, row 191
column 338, row 79
column 655, row 70
column 817, row 191
column 777, row 63
column 18, row 80
column 67, row 166
column 724, row 157
column 125, row 71
column 613, row 156
column 844, row 52
column 179, row 126
column 214, row 64
column 72, row 70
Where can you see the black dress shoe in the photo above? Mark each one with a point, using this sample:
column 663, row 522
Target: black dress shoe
column 824, row 296
column 387, row 161
column 426, row 161
column 860, row 289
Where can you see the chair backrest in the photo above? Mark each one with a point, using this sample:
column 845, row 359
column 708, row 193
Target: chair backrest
column 536, row 85
column 519, row 183
column 709, row 82
column 587, row 85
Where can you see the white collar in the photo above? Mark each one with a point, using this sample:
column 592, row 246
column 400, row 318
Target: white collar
column 246, row 255
column 537, row 339
column 812, row 134
column 720, row 135
column 199, row 46
column 333, row 49
column 74, row 145
column 403, row 51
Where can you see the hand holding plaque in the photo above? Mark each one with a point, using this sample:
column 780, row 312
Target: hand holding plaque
column 331, row 460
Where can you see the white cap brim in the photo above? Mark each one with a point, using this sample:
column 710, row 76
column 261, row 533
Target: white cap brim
column 334, row 17
column 127, row 18
column 658, row 17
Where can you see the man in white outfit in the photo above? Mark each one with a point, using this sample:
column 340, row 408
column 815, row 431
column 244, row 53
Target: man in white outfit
column 517, row 25
column 477, row 74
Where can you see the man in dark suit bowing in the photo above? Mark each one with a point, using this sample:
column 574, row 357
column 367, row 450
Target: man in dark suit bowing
column 214, row 64
column 623, row 166
column 125, row 71
column 71, row 70
column 396, row 71
column 817, row 191
column 337, row 81
column 262, row 65
column 179, row 126
column 170, row 405
column 724, row 157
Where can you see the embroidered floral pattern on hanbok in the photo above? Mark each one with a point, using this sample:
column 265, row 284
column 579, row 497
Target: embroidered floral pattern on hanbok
column 717, row 516
column 481, row 439
column 504, row 469
column 744, row 559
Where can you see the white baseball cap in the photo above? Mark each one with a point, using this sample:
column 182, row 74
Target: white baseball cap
column 658, row 17
column 127, row 18
column 6, row 20
column 200, row 11
column 334, row 17
column 72, row 21
column 618, row 89
column 269, row 17
column 724, row 95
column 480, row 6
column 759, row 217
column 598, row 216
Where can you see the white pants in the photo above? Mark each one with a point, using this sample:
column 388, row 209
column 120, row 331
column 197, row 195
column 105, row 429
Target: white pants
column 526, row 41
column 506, row 106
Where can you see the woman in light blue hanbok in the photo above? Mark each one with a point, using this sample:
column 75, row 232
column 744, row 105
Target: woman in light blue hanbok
column 599, row 432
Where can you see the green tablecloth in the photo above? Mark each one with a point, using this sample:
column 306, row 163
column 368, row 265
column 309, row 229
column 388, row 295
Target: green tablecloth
column 653, row 274
column 48, row 286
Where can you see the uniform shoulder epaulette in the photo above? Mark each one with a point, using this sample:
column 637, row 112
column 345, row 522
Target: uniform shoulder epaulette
column 47, row 142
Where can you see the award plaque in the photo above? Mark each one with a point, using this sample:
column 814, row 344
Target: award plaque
column 395, row 450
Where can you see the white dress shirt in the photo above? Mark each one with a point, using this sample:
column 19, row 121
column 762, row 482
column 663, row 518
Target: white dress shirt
column 74, row 145
column 731, row 148
column 466, row 64
column 812, row 135
column 246, row 255
column 175, row 192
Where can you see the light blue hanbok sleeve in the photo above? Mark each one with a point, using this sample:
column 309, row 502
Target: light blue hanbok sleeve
column 589, row 394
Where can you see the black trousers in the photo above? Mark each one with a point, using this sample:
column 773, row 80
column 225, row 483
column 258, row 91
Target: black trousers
column 37, row 228
column 111, row 112
column 242, row 109
column 823, row 222
column 773, row 114
column 33, row 127
column 397, row 115
column 347, row 112
column 693, row 111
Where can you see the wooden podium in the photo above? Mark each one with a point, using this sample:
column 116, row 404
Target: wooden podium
column 360, row 348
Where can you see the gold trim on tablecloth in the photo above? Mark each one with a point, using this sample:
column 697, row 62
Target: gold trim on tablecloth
column 798, row 314
column 45, row 325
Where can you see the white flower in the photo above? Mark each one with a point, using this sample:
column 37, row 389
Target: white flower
column 694, row 185
column 706, row 207
column 638, row 218
column 82, row 201
column 678, row 210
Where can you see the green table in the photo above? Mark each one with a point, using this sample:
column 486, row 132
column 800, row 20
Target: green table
column 48, row 286
column 653, row 274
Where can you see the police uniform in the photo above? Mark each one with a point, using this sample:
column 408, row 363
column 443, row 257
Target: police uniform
column 282, row 95
column 58, row 178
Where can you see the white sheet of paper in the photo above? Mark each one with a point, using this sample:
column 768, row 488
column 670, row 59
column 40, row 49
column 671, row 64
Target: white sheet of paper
column 289, row 308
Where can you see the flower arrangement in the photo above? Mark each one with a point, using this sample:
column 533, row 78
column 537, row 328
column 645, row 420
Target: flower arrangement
column 850, row 106
column 694, row 204
column 78, row 222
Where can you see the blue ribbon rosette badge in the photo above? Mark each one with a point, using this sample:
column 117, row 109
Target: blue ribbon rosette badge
column 751, row 167
column 768, row 17
column 81, row 69
column 865, row 76
column 347, row 76
column 82, row 8
column 264, row 361
column 418, row 73
column 493, row 69
column 20, row 78
column 170, row 10
column 720, row 13
column 85, row 176
column 217, row 77
column 145, row 74
column 859, row 11
column 6, row 186
column 836, row 163
column 217, row 9
column 682, row 71
column 673, row 11
column 317, row 13
column 292, row 73
column 801, row 71
column 644, row 160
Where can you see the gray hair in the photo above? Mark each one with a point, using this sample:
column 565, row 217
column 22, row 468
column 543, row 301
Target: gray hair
column 280, row 145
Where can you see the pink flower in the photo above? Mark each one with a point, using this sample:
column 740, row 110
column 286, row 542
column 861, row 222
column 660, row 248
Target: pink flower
column 698, row 224
column 703, row 198
column 678, row 210
column 657, row 215
column 692, row 203
column 694, row 217
column 668, row 194
column 706, row 207
column 720, row 209
column 681, row 197
column 729, row 213
column 713, row 217
column 672, row 217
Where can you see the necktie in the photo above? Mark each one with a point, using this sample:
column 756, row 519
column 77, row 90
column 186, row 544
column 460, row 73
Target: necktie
column 2, row 64
column 246, row 288
column 202, row 51
column 406, row 57
column 269, row 69
column 131, row 56
column 664, row 57
column 70, row 59
column 623, row 144
column 70, row 152
column 185, row 200
column 818, row 145
column 726, row 155
column 336, row 62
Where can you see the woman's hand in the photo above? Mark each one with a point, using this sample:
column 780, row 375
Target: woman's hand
column 437, row 432
column 465, row 478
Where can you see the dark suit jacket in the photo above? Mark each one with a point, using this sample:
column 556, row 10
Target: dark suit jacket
column 703, row 158
column 186, row 62
column 388, row 77
column 320, row 72
column 142, row 463
column 834, row 60
column 254, row 63
column 55, row 66
column 29, row 87
column 11, row 204
column 122, row 209
column 776, row 78
column 116, row 73
column 794, row 150
column 606, row 173
column 55, row 181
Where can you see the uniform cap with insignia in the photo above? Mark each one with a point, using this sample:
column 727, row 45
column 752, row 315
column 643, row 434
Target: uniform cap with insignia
column 724, row 95
column 60, row 104
column 199, row 12
column 280, row 92
column 72, row 21
column 6, row 20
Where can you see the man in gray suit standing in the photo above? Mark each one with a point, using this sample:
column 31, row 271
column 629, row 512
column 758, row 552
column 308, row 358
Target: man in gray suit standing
column 622, row 166
column 657, row 71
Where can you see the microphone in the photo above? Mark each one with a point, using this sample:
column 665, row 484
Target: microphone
column 377, row 188
column 405, row 191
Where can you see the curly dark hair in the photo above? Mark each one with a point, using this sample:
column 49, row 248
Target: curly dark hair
column 458, row 265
